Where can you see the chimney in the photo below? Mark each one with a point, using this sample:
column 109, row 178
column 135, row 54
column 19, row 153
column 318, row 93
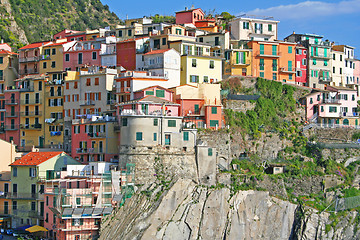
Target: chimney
column 186, row 8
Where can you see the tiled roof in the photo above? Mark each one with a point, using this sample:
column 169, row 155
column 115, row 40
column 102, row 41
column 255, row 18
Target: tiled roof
column 34, row 45
column 35, row 158
column 157, row 51
column 2, row 51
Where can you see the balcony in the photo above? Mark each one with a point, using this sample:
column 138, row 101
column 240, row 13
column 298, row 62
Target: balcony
column 97, row 135
column 349, row 114
column 33, row 196
column 320, row 55
column 31, row 126
column 11, row 114
column 29, row 59
column 108, row 52
column 29, row 71
column 12, row 102
column 54, row 82
column 87, row 103
column 287, row 70
column 330, row 101
column 31, row 101
column 89, row 150
column 325, row 79
column 154, row 66
column 54, row 94
column 272, row 54
column 11, row 127
column 31, row 114
column 36, row 214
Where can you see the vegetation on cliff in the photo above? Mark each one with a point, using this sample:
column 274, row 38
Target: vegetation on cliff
column 43, row 18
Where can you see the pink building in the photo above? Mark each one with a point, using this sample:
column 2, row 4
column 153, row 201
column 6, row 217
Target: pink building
column 77, row 199
column 189, row 16
column 336, row 106
column 12, row 117
column 65, row 33
column 83, row 53
column 300, row 61
column 357, row 71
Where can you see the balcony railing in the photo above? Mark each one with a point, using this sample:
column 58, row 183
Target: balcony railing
column 11, row 102
column 320, row 55
column 108, row 52
column 89, row 150
column 11, row 127
column 87, row 102
column 97, row 135
column 268, row 54
column 31, row 114
column 329, row 100
column 31, row 126
column 29, row 59
column 287, row 70
column 31, row 101
column 35, row 196
column 11, row 114
column 29, row 71
column 325, row 79
column 54, row 94
column 349, row 114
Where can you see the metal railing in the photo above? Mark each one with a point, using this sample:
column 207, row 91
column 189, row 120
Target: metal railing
column 87, row 102
column 31, row 113
column 31, row 101
column 31, row 126
column 268, row 53
column 11, row 127
column 320, row 55
column 11, row 114
column 17, row 195
column 29, row 71
column 325, row 79
column 12, row 102
column 349, row 114
column 28, row 59
column 97, row 135
column 330, row 100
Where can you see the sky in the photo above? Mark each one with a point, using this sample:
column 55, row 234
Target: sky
column 336, row 20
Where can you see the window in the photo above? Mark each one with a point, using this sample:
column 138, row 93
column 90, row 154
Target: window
column 75, row 85
column 14, row 171
column 290, row 76
column 214, row 110
column 333, row 69
column 129, row 32
column 340, row 70
column 270, row 27
column 53, row 51
column 33, row 206
column 139, row 136
column 186, row 136
column 210, row 151
column 332, row 109
column 78, row 201
column 325, row 62
column 44, row 65
column 274, row 76
column 80, row 58
column 94, row 56
column 262, row 74
column 212, row 66
column 155, row 137
column 14, row 205
column 262, row 64
column 155, row 122
column 171, row 123
column 206, row 79
column 194, row 78
column 67, row 57
column 193, row 63
column 274, row 65
column 318, row 98
column 160, row 93
column 96, row 81
column 32, row 172
column 163, row 41
column 124, row 122
column 289, row 49
column 214, row 123
column 1, row 60
column 246, row 25
column 88, row 82
column 314, row 61
column 196, row 109
column 322, row 109
column 53, row 64
column 340, row 57
column 120, row 33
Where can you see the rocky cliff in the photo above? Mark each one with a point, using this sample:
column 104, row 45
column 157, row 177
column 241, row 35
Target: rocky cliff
column 189, row 211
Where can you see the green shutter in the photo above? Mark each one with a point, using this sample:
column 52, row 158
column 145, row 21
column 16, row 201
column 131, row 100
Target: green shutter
column 150, row 93
column 196, row 107
column 214, row 110
column 213, row 123
column 186, row 136
column 289, row 65
column 312, row 51
column 160, row 93
column 155, row 137
column 289, row 49
column 325, row 52
column 171, row 123
column 155, row 122
column 237, row 57
column 139, row 136
column 274, row 50
column 261, row 48
column 210, row 152
column 262, row 64
column 274, row 65
column 244, row 57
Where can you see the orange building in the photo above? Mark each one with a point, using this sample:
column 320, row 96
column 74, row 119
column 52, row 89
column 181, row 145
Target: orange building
column 273, row 60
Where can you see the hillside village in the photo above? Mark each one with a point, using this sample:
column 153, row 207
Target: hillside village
column 90, row 118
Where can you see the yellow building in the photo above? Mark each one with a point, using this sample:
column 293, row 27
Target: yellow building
column 9, row 64
column 237, row 62
column 52, row 57
column 170, row 34
column 32, row 111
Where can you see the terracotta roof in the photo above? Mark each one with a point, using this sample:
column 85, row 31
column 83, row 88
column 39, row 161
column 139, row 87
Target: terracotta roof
column 157, row 51
column 2, row 51
column 132, row 39
column 34, row 45
column 35, row 158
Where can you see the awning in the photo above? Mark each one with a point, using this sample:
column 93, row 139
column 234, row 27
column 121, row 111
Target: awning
column 36, row 228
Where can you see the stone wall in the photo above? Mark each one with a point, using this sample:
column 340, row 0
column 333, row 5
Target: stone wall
column 239, row 105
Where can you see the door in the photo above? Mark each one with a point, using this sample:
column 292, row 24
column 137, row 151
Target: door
column 167, row 139
column 41, row 142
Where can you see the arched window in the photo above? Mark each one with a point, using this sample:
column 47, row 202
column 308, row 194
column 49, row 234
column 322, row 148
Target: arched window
column 346, row 122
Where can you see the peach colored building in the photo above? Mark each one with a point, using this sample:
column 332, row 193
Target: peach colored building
column 273, row 60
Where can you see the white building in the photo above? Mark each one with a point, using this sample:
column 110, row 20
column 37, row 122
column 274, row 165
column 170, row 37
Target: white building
column 253, row 28
column 349, row 64
column 337, row 68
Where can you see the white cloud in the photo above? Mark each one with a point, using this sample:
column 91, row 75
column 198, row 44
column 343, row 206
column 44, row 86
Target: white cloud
column 309, row 9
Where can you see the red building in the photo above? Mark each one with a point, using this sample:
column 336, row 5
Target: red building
column 189, row 16
column 300, row 59
column 83, row 53
column 65, row 33
column 126, row 52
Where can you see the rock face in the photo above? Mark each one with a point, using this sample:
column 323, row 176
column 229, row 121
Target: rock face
column 188, row 211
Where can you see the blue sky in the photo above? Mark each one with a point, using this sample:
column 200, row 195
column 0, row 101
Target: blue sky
column 338, row 21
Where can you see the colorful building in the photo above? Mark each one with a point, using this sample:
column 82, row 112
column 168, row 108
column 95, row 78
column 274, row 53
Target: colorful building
column 128, row 51
column 237, row 62
column 27, row 177
column 12, row 117
column 337, row 68
column 200, row 105
column 349, row 66
column 29, row 57
column 254, row 28
column 77, row 199
column 273, row 60
column 301, row 65
column 189, row 16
